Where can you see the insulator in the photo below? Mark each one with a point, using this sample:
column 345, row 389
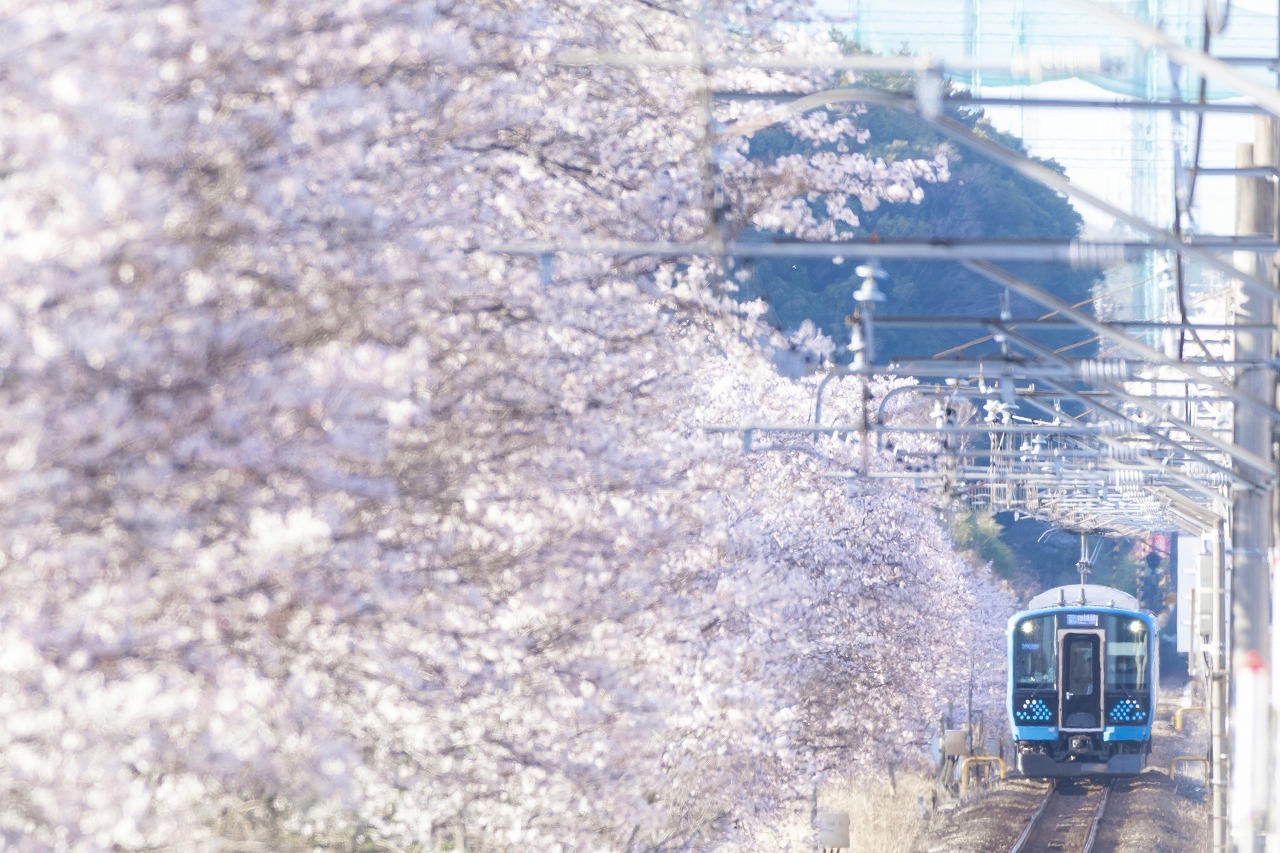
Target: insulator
column 1095, row 255
column 1114, row 428
column 1103, row 370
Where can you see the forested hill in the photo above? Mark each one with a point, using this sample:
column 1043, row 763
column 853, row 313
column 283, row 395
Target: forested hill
column 980, row 198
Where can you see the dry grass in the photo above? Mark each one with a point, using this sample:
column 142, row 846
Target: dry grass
column 885, row 815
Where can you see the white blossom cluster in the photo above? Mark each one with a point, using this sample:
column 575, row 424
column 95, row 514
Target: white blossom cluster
column 322, row 526
column 813, row 193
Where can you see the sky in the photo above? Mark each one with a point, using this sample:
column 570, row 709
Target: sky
column 1127, row 161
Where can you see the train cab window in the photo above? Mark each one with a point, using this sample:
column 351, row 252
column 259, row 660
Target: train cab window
column 1035, row 656
column 1127, row 661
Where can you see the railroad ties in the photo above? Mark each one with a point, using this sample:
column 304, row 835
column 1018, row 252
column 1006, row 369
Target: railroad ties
column 1068, row 818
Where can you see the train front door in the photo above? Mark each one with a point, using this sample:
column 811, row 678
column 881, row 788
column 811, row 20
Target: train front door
column 1080, row 679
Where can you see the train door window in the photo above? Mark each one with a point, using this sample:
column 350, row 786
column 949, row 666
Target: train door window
column 1082, row 666
column 1035, row 660
column 1081, row 680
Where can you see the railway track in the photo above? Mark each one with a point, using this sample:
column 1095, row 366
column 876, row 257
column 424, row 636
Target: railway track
column 1067, row 819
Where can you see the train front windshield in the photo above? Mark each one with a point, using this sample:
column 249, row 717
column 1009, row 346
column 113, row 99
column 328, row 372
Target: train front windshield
column 1126, row 653
column 1035, row 649
column 1035, row 652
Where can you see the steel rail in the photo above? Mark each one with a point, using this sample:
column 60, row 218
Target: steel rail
column 1031, row 824
column 1020, row 845
column 1097, row 819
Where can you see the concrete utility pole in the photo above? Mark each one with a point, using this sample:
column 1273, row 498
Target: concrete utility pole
column 1219, row 692
column 1252, row 517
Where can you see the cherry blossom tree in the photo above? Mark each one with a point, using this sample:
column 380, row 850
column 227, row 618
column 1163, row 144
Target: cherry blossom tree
column 323, row 525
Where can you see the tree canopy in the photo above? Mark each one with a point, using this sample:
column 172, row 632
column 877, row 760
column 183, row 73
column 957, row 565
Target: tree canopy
column 978, row 198
column 325, row 521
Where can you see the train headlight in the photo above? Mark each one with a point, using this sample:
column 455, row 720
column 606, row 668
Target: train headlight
column 1135, row 626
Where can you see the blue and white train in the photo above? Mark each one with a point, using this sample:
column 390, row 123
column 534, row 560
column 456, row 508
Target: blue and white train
column 1083, row 680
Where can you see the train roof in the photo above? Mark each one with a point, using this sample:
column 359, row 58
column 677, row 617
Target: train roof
column 1084, row 595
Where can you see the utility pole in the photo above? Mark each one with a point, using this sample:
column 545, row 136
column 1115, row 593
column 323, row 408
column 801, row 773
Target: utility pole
column 1251, row 521
column 1219, row 694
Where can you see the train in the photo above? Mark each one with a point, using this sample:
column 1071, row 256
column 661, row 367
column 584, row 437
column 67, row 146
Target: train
column 1083, row 683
